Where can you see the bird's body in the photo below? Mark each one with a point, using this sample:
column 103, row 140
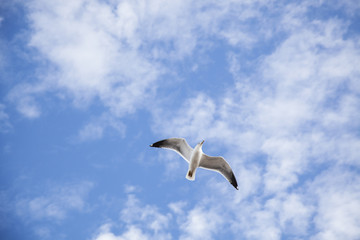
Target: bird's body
column 194, row 161
column 197, row 158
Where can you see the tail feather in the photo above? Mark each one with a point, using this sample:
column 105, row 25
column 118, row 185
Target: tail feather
column 190, row 175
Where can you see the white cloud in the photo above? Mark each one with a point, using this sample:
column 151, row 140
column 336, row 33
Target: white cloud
column 132, row 233
column 294, row 213
column 56, row 203
column 177, row 207
column 91, row 54
column 278, row 124
column 23, row 96
column 113, row 51
column 286, row 120
column 249, row 180
column 28, row 108
column 5, row 124
column 263, row 225
column 142, row 221
column 201, row 224
column 195, row 112
column 43, row 232
column 149, row 217
column 338, row 207
column 286, row 159
column 90, row 132
column 323, row 208
column 96, row 127
column 281, row 109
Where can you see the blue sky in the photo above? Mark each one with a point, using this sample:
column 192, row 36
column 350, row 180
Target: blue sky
column 87, row 85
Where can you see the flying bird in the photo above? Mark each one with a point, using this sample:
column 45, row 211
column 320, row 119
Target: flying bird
column 196, row 158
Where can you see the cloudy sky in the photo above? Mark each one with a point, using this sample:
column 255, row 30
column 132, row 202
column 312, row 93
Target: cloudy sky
column 87, row 85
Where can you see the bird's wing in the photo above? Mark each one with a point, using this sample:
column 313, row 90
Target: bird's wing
column 177, row 144
column 219, row 164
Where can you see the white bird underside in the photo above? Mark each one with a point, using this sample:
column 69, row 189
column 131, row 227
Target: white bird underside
column 218, row 164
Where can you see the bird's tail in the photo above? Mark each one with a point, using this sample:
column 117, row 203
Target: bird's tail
column 190, row 175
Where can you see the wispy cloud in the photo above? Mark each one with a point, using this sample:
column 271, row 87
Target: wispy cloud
column 116, row 52
column 151, row 222
column 290, row 116
column 201, row 223
column 148, row 216
column 23, row 95
column 90, row 53
column 96, row 127
column 5, row 124
column 142, row 221
column 338, row 207
column 131, row 233
column 55, row 204
column 287, row 121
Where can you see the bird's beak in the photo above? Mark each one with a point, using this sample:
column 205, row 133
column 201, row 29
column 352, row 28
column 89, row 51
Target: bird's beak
column 202, row 142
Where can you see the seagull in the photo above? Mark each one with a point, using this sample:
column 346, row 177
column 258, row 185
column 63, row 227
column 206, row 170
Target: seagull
column 196, row 158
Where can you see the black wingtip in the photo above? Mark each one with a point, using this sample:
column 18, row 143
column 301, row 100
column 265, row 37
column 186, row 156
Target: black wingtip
column 158, row 144
column 234, row 182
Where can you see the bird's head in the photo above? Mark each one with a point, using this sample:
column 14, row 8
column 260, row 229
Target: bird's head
column 200, row 144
